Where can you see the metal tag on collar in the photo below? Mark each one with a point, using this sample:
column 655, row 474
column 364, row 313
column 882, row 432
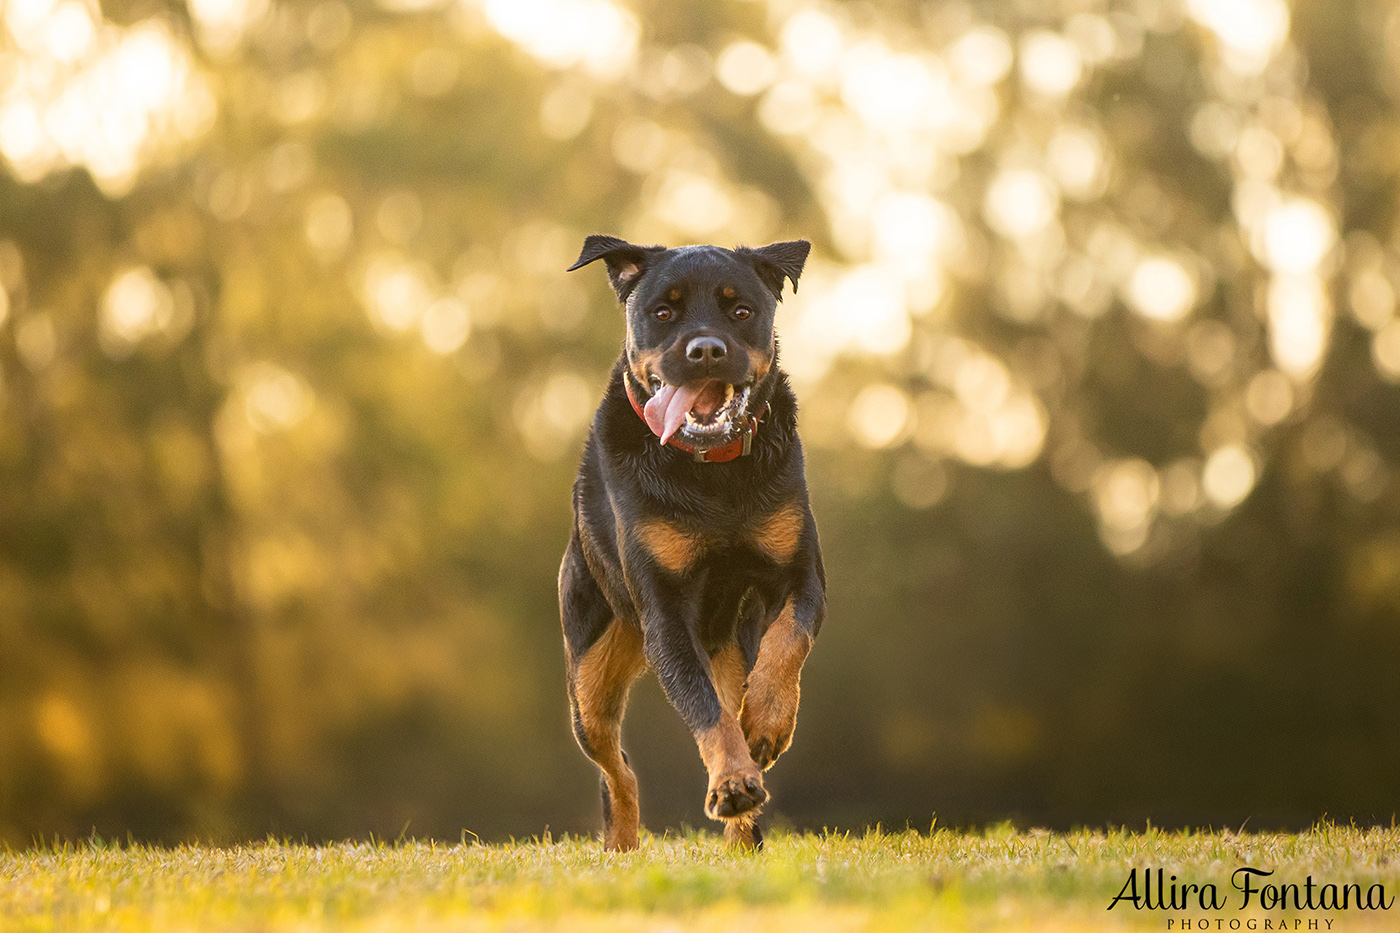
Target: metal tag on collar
column 700, row 456
column 748, row 440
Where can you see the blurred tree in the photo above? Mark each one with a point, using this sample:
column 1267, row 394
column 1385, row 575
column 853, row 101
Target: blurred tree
column 1097, row 353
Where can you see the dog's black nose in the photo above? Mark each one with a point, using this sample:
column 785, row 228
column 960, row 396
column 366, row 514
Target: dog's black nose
column 705, row 350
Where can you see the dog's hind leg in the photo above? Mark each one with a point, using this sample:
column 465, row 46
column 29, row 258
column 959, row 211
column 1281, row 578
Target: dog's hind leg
column 604, row 658
column 598, row 686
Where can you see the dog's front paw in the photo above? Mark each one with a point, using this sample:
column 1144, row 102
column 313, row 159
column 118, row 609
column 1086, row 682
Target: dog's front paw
column 768, row 728
column 735, row 793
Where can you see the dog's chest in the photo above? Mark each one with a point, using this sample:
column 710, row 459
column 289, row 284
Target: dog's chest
column 679, row 546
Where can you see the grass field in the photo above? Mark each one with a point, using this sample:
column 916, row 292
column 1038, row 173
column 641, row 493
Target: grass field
column 996, row 879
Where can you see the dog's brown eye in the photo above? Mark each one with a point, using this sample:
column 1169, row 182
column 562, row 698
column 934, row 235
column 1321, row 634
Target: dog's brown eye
column 662, row 314
column 742, row 313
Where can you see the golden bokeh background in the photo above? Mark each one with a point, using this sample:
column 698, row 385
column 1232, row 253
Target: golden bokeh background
column 1097, row 352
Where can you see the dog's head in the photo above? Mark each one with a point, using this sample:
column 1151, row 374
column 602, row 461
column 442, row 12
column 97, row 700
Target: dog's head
column 699, row 328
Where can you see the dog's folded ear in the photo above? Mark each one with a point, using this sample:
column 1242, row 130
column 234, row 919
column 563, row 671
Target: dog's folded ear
column 626, row 263
column 776, row 262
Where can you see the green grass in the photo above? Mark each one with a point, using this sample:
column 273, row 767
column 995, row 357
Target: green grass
column 997, row 879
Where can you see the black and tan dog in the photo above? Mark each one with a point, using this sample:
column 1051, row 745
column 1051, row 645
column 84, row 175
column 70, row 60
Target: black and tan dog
column 693, row 546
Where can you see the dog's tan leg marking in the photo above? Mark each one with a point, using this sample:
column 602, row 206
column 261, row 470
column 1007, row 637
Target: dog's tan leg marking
column 674, row 549
column 727, row 671
column 601, row 679
column 736, row 784
column 779, row 534
column 769, row 714
column 739, row 832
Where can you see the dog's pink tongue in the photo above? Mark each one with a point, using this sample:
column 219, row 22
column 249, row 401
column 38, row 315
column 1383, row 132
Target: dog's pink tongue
column 655, row 410
column 665, row 411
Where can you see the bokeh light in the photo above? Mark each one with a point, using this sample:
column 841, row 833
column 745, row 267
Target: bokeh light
column 1050, row 63
column 745, row 68
column 1229, row 476
column 1126, row 494
column 108, row 102
column 1385, row 349
column 1250, row 31
column 879, row 416
column 1021, row 202
column 1298, row 234
column 597, row 34
column 1161, row 288
column 274, row 398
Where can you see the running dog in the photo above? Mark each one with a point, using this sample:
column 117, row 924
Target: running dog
column 693, row 546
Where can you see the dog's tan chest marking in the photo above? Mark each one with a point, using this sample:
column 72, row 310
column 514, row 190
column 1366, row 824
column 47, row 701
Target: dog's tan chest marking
column 673, row 548
column 779, row 534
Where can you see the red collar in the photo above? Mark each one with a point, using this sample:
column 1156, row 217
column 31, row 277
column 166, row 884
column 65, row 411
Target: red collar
column 736, row 448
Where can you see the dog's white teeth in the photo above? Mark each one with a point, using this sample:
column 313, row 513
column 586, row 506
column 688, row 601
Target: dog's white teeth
column 728, row 393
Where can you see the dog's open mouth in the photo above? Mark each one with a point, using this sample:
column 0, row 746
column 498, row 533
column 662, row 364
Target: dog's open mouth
column 707, row 409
